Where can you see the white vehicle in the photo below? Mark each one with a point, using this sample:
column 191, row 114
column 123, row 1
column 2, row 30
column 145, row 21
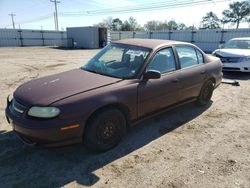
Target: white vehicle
column 235, row 54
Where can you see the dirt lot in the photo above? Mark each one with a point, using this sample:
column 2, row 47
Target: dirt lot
column 186, row 147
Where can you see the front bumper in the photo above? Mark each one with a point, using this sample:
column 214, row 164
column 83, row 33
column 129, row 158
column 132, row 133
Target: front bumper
column 44, row 132
column 239, row 66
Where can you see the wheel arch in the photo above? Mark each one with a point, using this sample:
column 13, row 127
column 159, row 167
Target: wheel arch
column 121, row 107
column 209, row 78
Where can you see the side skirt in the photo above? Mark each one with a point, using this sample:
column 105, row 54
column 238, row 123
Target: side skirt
column 148, row 116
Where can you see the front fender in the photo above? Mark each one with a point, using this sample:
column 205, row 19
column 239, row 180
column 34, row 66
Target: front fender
column 85, row 104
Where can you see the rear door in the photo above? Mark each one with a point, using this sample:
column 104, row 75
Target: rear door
column 156, row 94
column 192, row 71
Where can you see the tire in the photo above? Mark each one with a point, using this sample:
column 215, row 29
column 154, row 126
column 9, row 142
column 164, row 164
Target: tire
column 105, row 130
column 205, row 93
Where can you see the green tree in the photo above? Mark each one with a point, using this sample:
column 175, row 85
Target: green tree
column 237, row 12
column 164, row 25
column 130, row 25
column 210, row 21
column 126, row 26
column 155, row 25
column 151, row 25
column 117, row 24
column 191, row 28
column 172, row 25
column 181, row 26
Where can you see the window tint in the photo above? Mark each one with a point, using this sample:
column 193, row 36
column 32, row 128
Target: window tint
column 163, row 61
column 188, row 56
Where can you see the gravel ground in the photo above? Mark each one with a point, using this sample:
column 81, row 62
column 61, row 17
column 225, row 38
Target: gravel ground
column 189, row 146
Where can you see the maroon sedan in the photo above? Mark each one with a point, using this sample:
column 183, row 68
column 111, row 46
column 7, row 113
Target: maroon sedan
column 126, row 81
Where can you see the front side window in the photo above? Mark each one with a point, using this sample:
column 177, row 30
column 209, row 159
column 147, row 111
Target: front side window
column 188, row 56
column 163, row 61
column 118, row 60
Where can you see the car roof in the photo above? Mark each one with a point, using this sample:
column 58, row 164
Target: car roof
column 148, row 43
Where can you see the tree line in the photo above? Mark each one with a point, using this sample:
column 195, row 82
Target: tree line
column 237, row 13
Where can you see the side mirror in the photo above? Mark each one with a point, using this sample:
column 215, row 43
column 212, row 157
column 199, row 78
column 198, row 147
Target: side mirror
column 152, row 74
column 221, row 45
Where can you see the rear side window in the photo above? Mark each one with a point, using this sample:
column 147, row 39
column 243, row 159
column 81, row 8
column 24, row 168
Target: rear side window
column 189, row 56
column 163, row 61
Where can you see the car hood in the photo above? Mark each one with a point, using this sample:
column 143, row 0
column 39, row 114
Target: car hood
column 232, row 52
column 46, row 90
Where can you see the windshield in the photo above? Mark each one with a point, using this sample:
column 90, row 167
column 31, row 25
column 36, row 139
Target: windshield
column 237, row 44
column 118, row 60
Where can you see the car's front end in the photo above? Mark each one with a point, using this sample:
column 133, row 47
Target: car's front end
column 232, row 61
column 235, row 55
column 49, row 111
column 42, row 125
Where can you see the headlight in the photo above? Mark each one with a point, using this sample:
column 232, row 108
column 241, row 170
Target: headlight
column 43, row 112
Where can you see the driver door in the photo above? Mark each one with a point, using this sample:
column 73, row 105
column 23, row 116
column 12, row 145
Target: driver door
column 156, row 94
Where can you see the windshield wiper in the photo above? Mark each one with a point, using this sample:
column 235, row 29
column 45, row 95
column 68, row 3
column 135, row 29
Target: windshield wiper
column 93, row 71
column 89, row 70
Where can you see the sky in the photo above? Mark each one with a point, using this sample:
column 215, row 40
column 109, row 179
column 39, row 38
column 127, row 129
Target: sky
column 37, row 14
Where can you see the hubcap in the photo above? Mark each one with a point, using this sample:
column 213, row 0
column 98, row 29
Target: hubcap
column 108, row 131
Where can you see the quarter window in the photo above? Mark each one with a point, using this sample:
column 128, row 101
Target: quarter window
column 199, row 56
column 189, row 56
column 163, row 61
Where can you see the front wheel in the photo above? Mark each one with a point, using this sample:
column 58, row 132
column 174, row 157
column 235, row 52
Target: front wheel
column 105, row 130
column 206, row 93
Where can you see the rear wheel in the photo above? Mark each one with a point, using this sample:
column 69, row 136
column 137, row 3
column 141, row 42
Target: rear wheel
column 105, row 130
column 206, row 93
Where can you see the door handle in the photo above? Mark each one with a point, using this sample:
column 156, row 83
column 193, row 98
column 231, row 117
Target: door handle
column 203, row 72
column 175, row 80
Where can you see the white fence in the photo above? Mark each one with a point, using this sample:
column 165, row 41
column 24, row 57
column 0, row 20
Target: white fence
column 207, row 40
column 26, row 37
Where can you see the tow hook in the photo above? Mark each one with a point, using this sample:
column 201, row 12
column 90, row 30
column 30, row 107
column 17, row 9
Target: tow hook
column 230, row 81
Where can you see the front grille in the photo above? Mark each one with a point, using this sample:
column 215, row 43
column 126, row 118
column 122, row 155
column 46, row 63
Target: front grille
column 230, row 68
column 228, row 59
column 17, row 108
